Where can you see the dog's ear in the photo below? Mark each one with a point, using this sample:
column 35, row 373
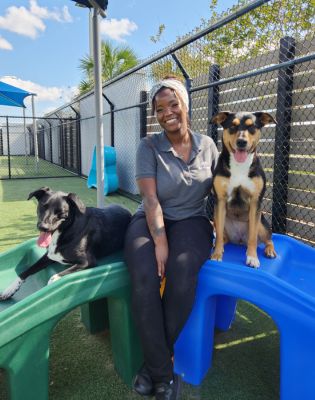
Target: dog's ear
column 74, row 200
column 39, row 193
column 220, row 118
column 264, row 118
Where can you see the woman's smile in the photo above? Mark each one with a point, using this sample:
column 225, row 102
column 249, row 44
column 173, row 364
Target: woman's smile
column 171, row 121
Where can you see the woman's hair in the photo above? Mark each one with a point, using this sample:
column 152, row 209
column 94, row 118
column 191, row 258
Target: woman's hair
column 173, row 83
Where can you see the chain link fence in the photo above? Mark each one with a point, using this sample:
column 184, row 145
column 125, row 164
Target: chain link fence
column 52, row 151
column 258, row 56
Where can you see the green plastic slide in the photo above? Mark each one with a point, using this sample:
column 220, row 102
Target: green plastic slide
column 28, row 319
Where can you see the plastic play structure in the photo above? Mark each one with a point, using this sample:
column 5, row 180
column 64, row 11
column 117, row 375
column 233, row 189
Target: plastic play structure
column 110, row 171
column 283, row 287
column 28, row 319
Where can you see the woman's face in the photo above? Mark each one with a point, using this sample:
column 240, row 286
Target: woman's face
column 170, row 112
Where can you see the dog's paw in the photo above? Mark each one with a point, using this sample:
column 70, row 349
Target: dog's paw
column 252, row 262
column 10, row 290
column 270, row 251
column 53, row 279
column 216, row 256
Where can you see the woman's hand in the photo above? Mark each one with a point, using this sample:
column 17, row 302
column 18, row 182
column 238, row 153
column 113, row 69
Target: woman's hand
column 161, row 254
column 155, row 221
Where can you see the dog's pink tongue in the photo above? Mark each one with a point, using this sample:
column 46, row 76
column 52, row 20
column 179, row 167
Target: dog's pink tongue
column 240, row 155
column 44, row 239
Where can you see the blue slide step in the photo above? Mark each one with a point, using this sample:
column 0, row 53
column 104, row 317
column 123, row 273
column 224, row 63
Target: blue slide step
column 110, row 171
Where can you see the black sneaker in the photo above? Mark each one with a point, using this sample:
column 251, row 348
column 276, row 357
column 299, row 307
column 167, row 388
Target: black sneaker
column 142, row 383
column 168, row 391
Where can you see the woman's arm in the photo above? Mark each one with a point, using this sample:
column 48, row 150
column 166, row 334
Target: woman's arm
column 155, row 221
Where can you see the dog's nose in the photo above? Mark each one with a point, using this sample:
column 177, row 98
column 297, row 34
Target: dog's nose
column 42, row 227
column 241, row 143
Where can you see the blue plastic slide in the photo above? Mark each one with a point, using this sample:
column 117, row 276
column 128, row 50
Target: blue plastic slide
column 110, row 171
column 283, row 287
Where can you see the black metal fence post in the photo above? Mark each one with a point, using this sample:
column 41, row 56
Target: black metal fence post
column 112, row 120
column 188, row 87
column 112, row 125
column 1, row 142
column 77, row 132
column 50, row 143
column 8, row 143
column 41, row 142
column 213, row 101
column 62, row 143
column 282, row 137
column 79, row 158
column 65, row 143
column 31, row 139
column 212, row 129
column 188, row 81
column 143, row 113
column 71, row 143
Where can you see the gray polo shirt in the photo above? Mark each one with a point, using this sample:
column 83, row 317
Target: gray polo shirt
column 182, row 187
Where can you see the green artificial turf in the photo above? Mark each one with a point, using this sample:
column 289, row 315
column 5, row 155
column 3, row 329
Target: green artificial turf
column 246, row 358
column 27, row 167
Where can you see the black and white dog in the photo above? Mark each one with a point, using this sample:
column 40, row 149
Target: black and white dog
column 73, row 234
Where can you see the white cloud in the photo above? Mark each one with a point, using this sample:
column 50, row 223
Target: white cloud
column 66, row 15
column 44, row 13
column 19, row 20
column 117, row 29
column 4, row 44
column 53, row 94
column 29, row 22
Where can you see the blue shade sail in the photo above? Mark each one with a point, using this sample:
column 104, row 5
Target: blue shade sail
column 12, row 96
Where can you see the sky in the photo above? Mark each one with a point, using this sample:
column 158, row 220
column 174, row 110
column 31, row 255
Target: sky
column 42, row 41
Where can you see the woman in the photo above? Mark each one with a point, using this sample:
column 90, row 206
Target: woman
column 169, row 234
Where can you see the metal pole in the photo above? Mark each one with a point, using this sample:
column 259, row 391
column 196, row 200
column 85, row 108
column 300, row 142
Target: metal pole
column 35, row 135
column 100, row 162
column 91, row 45
column 25, row 135
column 8, row 144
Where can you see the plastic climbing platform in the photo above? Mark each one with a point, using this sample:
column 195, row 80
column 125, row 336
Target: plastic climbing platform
column 283, row 287
column 28, row 319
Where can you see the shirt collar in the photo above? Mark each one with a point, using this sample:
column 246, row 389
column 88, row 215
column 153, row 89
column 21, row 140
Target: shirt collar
column 165, row 144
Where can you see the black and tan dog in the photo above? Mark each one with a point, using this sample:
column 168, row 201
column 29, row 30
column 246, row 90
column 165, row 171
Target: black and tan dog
column 239, row 185
column 73, row 234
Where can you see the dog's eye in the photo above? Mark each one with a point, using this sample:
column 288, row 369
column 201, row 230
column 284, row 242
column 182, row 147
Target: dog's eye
column 233, row 129
column 251, row 129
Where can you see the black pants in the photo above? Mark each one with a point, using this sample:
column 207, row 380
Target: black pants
column 159, row 321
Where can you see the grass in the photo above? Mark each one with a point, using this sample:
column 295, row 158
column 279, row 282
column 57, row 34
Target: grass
column 25, row 167
column 246, row 358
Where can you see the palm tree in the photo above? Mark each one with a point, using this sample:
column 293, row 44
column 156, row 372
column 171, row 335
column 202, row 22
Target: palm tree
column 115, row 60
